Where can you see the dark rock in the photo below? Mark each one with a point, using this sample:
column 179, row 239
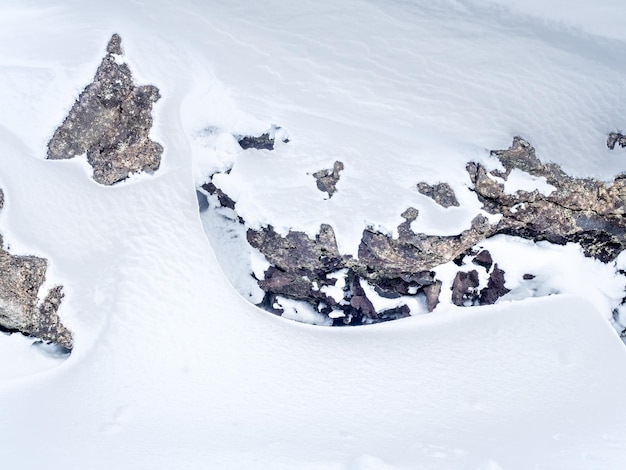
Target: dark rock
column 110, row 122
column 327, row 179
column 495, row 288
column 360, row 302
column 464, row 287
column 528, row 277
column 441, row 193
column 115, row 45
column 20, row 280
column 483, row 259
column 432, row 292
column 616, row 138
column 261, row 142
column 223, row 198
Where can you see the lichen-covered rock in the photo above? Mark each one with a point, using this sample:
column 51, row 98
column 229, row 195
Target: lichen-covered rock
column 579, row 210
column 441, row 193
column 20, row 280
column 584, row 211
column 327, row 179
column 110, row 122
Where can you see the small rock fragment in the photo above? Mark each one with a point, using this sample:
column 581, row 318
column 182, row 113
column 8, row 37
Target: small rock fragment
column 327, row 179
column 262, row 142
column 432, row 292
column 495, row 288
column 616, row 138
column 483, row 259
column 441, row 193
column 464, row 287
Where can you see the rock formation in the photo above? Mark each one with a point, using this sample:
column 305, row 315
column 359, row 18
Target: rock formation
column 584, row 211
column 21, row 278
column 110, row 122
column 441, row 193
column 327, row 179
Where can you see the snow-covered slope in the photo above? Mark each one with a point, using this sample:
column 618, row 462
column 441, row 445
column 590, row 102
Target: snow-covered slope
column 172, row 368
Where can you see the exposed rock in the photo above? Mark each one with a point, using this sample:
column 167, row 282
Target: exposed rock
column 262, row 142
column 528, row 277
column 110, row 122
column 20, row 280
column 584, row 211
column 495, row 288
column 223, row 198
column 464, row 288
column 483, row 259
column 415, row 252
column 432, row 291
column 327, row 179
column 616, row 138
column 441, row 193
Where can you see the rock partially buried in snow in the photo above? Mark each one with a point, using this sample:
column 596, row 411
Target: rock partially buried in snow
column 327, row 179
column 21, row 278
column 110, row 122
column 584, row 211
column 441, row 193
column 391, row 271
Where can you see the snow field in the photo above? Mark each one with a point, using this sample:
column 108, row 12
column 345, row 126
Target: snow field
column 173, row 369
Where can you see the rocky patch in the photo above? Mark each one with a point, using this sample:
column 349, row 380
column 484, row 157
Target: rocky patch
column 441, row 193
column 583, row 211
column 110, row 123
column 20, row 310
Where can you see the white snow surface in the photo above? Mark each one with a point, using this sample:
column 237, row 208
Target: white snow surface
column 172, row 368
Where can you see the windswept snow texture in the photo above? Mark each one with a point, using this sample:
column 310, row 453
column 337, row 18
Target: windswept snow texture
column 172, row 368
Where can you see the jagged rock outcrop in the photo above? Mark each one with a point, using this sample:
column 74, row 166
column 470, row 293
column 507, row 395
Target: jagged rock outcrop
column 441, row 193
column 327, row 179
column 110, row 122
column 585, row 211
column 20, row 311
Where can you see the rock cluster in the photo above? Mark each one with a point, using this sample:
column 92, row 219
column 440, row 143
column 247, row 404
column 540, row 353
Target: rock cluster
column 466, row 283
column 110, row 122
column 585, row 211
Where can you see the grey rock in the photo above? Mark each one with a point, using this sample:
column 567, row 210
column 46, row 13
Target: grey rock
column 110, row 122
column 432, row 291
column 20, row 280
column 584, row 211
column 327, row 179
column 441, row 193
column 616, row 138
column 262, row 142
